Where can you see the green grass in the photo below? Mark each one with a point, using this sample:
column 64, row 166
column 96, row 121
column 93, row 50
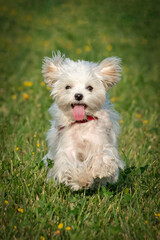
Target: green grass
column 90, row 30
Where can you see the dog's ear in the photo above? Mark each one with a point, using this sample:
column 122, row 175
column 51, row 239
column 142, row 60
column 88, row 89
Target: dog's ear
column 50, row 68
column 109, row 70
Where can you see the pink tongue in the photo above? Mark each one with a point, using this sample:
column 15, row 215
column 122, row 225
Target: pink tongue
column 78, row 112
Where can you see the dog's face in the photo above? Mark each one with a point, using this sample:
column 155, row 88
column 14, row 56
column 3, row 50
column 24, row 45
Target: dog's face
column 79, row 88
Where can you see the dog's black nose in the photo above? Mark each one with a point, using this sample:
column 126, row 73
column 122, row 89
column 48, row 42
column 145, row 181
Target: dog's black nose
column 78, row 96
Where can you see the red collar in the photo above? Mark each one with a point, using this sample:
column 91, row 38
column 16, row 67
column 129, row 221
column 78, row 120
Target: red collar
column 89, row 118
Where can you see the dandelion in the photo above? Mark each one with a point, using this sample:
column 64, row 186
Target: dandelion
column 42, row 83
column 60, row 226
column 81, row 22
column 14, row 97
column 113, row 99
column 125, row 69
column 109, row 47
column 42, row 238
column 157, row 214
column 6, row 202
column 57, row 232
column 4, row 8
column 29, row 184
column 69, row 45
column 138, row 115
column 20, row 210
column 144, row 41
column 38, row 143
column 87, row 48
column 33, row 153
column 13, row 12
column 121, row 121
column 28, row 18
column 17, row 149
column 48, row 88
column 25, row 96
column 47, row 22
column 78, row 51
column 15, row 227
column 28, row 39
column 145, row 121
column 46, row 43
column 68, row 228
column 20, row 88
column 146, row 222
column 28, row 84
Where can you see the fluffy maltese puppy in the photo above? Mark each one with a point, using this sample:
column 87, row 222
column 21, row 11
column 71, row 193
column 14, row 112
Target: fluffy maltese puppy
column 83, row 137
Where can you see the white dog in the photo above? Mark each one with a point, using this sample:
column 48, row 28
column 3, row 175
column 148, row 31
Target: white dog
column 83, row 136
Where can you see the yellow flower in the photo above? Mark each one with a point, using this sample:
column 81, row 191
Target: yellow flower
column 146, row 222
column 17, row 148
column 32, row 153
column 113, row 99
column 57, row 232
column 6, row 202
column 144, row 41
column 48, row 88
column 121, row 121
column 60, row 226
column 78, row 51
column 46, row 43
column 28, row 84
column 14, row 97
column 157, row 214
column 47, row 22
column 109, row 47
column 125, row 69
column 38, row 143
column 42, row 83
column 20, row 88
column 29, row 184
column 69, row 45
column 20, row 210
column 15, row 227
column 145, row 121
column 68, row 228
column 42, row 238
column 4, row 8
column 25, row 96
column 28, row 39
column 28, row 18
column 13, row 12
column 138, row 115
column 87, row 48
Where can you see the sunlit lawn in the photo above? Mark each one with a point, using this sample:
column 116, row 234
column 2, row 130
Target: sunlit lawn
column 30, row 208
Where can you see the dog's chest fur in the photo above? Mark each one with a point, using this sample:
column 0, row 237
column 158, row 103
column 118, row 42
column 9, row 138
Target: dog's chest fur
column 82, row 140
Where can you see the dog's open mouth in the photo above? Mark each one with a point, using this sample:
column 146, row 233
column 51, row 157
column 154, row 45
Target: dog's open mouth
column 78, row 111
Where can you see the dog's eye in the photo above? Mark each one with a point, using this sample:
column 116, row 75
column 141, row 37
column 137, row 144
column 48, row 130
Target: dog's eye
column 90, row 88
column 67, row 87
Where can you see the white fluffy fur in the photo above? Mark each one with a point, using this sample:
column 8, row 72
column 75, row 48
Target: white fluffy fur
column 84, row 154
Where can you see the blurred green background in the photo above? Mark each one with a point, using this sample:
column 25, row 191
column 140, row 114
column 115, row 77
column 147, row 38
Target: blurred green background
column 90, row 30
